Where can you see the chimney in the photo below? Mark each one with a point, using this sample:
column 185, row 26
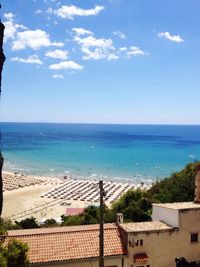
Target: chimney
column 120, row 218
column 197, row 186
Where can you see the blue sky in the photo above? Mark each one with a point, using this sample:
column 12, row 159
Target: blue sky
column 108, row 61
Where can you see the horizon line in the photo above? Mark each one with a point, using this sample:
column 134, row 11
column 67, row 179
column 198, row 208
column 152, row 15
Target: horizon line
column 104, row 123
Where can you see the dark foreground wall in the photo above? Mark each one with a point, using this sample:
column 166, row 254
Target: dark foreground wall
column 2, row 59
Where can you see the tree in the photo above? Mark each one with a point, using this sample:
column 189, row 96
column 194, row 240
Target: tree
column 3, row 256
column 2, row 59
column 50, row 223
column 134, row 205
column 17, row 253
column 28, row 223
column 91, row 215
column 179, row 187
column 71, row 220
column 7, row 224
column 14, row 253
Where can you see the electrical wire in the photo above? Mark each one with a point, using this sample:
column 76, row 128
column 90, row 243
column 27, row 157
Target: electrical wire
column 69, row 248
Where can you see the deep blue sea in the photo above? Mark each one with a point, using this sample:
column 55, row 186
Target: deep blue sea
column 111, row 152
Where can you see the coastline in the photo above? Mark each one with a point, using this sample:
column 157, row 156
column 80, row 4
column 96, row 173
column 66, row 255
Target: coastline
column 47, row 197
column 135, row 179
column 25, row 200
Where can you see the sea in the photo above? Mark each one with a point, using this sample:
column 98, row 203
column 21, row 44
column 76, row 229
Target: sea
column 126, row 153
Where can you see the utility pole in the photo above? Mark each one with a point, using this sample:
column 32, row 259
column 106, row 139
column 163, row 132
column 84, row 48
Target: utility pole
column 101, row 230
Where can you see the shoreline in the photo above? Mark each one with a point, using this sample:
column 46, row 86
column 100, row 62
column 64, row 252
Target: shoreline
column 135, row 179
column 47, row 197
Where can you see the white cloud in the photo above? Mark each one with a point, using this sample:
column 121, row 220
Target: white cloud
column 112, row 56
column 50, row 10
column 59, row 54
column 33, row 59
column 96, row 49
column 120, row 34
column 97, row 53
column 57, row 76
column 135, row 51
column 102, row 48
column 11, row 28
column 68, row 12
column 9, row 16
column 82, row 31
column 33, row 39
column 91, row 41
column 39, row 11
column 123, row 49
column 66, row 65
column 168, row 36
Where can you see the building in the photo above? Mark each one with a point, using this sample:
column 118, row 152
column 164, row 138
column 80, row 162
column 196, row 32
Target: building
column 74, row 211
column 74, row 246
column 173, row 233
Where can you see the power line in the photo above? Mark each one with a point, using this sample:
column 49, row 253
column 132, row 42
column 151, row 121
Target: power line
column 75, row 246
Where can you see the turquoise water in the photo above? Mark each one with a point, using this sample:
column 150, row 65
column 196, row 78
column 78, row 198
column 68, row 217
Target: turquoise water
column 129, row 152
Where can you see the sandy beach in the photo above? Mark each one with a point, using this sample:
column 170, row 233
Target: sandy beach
column 44, row 197
column 23, row 202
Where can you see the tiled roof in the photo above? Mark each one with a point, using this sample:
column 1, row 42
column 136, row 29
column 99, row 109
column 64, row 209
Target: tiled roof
column 74, row 211
column 145, row 227
column 140, row 258
column 69, row 243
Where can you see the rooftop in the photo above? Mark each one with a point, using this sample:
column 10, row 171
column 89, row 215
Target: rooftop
column 179, row 205
column 69, row 243
column 74, row 211
column 145, row 227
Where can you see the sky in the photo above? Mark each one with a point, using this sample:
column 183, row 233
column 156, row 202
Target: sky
column 101, row 61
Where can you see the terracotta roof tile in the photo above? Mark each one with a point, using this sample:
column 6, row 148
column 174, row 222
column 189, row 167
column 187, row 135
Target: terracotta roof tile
column 69, row 243
column 74, row 211
column 141, row 257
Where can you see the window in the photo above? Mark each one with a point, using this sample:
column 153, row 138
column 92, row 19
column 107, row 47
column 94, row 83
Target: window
column 135, row 242
column 194, row 238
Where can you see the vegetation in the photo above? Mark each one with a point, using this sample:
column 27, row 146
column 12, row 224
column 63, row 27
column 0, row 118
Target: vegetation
column 14, row 254
column 136, row 205
column 27, row 223
column 50, row 223
column 179, row 187
column 3, row 256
